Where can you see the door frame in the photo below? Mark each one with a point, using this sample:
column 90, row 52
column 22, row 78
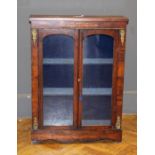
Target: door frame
column 43, row 33
column 115, row 34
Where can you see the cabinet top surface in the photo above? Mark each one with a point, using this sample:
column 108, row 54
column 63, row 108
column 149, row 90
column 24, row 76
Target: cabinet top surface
column 79, row 18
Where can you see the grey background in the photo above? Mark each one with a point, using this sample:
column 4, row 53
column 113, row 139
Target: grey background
column 74, row 7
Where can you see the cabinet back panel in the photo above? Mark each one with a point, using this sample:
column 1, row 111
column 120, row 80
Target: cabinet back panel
column 96, row 107
column 97, row 76
column 96, row 110
column 58, row 110
column 58, row 46
column 98, row 46
column 58, row 76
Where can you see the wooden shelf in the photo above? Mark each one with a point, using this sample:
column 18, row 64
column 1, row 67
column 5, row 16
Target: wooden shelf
column 57, row 122
column 69, row 91
column 57, row 61
column 97, row 91
column 96, row 122
column 88, row 61
column 57, row 91
column 97, row 61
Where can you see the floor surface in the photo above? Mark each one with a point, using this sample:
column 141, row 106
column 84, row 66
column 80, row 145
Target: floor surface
column 128, row 146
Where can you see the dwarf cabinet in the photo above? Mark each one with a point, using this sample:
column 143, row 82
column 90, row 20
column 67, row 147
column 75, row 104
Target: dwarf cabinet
column 77, row 77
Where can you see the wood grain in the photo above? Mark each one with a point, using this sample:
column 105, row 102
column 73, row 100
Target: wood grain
column 78, row 27
column 78, row 22
column 128, row 146
column 78, row 18
column 34, row 78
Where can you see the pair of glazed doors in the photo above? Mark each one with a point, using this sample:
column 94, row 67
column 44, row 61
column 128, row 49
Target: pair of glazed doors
column 77, row 76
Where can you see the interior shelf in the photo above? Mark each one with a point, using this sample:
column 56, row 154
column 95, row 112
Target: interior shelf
column 97, row 61
column 69, row 91
column 57, row 122
column 57, row 91
column 96, row 122
column 86, row 61
column 57, row 61
column 97, row 91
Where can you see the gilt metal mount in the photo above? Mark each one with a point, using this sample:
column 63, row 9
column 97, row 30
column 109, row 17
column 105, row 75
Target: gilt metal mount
column 35, row 123
column 118, row 123
column 34, row 36
column 122, row 35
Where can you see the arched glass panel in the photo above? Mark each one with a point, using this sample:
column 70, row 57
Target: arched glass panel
column 97, row 80
column 58, row 52
column 58, row 46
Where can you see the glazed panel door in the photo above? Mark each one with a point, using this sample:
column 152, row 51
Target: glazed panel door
column 98, row 75
column 58, row 77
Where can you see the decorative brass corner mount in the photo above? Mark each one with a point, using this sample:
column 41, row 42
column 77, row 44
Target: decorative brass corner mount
column 34, row 36
column 122, row 35
column 118, row 123
column 35, row 123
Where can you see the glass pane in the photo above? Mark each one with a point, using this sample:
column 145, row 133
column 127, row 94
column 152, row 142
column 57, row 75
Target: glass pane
column 97, row 76
column 98, row 46
column 97, row 80
column 58, row 80
column 58, row 75
column 58, row 110
column 97, row 110
column 58, row 46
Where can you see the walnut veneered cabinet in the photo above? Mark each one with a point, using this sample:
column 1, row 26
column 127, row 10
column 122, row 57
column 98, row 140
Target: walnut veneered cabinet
column 77, row 77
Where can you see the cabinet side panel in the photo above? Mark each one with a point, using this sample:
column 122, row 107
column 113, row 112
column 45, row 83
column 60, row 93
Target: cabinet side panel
column 114, row 83
column 120, row 76
column 34, row 48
